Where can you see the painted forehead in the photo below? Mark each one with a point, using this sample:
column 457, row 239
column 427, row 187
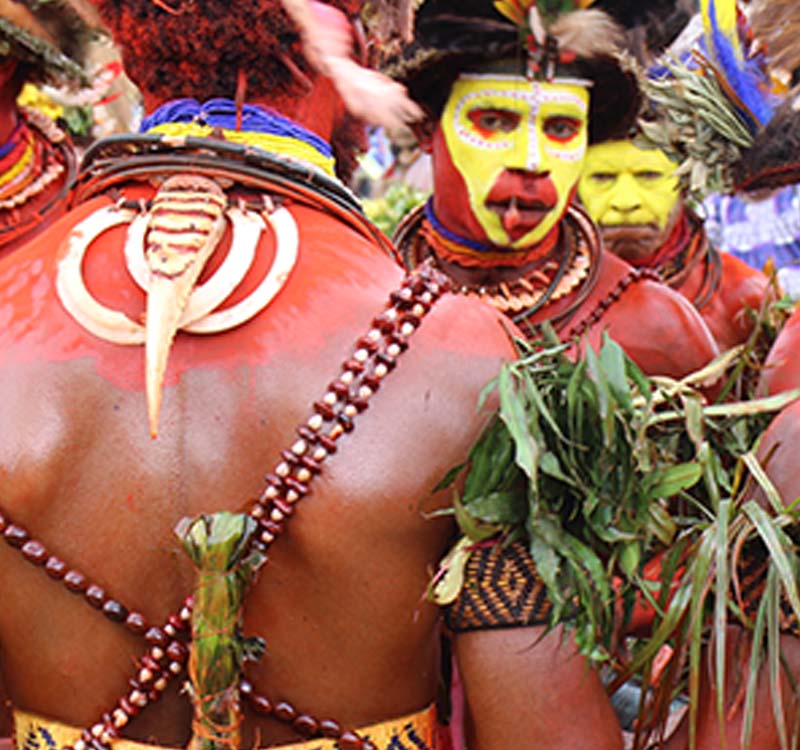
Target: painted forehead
column 617, row 156
column 570, row 91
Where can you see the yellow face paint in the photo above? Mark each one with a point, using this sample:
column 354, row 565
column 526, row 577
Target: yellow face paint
column 496, row 124
column 623, row 184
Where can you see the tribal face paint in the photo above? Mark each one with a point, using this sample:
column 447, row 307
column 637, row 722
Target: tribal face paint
column 517, row 147
column 623, row 184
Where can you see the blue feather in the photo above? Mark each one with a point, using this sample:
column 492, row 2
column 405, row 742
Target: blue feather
column 744, row 78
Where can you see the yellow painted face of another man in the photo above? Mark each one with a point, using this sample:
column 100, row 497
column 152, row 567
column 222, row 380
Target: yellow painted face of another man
column 624, row 185
column 519, row 147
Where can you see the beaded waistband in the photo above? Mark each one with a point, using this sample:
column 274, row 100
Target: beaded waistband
column 415, row 731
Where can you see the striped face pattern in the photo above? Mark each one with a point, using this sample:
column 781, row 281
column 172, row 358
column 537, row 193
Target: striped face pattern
column 494, row 123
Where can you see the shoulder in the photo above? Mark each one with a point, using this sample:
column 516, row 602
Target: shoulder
column 742, row 279
column 782, row 368
column 658, row 328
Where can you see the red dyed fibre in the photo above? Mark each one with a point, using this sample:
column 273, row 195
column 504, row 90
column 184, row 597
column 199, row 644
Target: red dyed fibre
column 198, row 48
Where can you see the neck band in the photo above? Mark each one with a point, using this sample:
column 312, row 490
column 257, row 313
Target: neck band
column 260, row 127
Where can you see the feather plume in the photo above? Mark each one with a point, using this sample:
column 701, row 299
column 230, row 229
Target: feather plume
column 367, row 94
column 722, row 37
column 391, row 21
column 515, row 11
column 776, row 25
column 588, row 33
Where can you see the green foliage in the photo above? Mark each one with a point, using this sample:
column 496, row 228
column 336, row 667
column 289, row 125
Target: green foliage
column 600, row 469
column 79, row 120
column 697, row 126
column 218, row 545
column 387, row 211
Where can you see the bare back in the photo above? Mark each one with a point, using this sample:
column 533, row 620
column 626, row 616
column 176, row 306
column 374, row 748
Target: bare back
column 340, row 601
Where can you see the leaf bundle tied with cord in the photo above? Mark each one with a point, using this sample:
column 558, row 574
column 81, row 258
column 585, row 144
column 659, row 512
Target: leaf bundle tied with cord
column 219, row 546
column 601, row 470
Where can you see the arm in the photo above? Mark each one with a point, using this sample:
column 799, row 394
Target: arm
column 526, row 690
column 523, row 689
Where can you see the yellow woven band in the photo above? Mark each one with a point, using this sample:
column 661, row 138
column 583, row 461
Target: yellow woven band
column 281, row 145
column 415, row 731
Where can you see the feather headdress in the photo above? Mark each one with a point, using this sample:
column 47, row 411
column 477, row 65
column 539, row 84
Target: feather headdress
column 715, row 111
column 776, row 26
column 454, row 36
column 47, row 35
column 741, row 72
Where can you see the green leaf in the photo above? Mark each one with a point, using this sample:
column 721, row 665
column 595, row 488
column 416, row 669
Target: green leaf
column 612, row 359
column 780, row 549
column 693, row 405
column 550, row 465
column 639, row 378
column 722, row 585
column 757, row 471
column 547, row 563
column 671, row 480
column 513, row 414
column 498, row 508
column 629, row 558
column 476, row 530
column 488, row 460
column 449, row 478
column 598, row 377
column 661, row 524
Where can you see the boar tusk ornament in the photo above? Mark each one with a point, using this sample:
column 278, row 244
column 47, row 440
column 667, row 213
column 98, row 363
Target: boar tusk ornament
column 166, row 249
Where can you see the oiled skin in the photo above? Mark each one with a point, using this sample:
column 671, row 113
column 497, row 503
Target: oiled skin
column 741, row 288
column 782, row 367
column 341, row 599
column 658, row 329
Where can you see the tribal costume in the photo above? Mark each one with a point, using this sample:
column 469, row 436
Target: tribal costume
column 507, row 154
column 499, row 223
column 633, row 196
column 215, row 269
column 37, row 162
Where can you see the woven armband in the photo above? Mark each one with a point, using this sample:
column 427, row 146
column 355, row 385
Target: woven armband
column 501, row 590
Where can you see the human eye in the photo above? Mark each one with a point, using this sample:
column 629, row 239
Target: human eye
column 561, row 128
column 491, row 120
column 649, row 175
column 603, row 178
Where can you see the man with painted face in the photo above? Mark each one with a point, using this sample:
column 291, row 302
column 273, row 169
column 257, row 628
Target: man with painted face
column 633, row 195
column 508, row 131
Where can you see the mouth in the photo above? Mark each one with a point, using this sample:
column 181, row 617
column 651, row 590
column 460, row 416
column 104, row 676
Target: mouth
column 518, row 215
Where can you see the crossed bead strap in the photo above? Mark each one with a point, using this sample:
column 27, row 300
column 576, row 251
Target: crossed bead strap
column 374, row 357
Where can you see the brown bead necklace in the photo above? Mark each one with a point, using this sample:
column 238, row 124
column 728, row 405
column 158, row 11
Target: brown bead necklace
column 374, row 357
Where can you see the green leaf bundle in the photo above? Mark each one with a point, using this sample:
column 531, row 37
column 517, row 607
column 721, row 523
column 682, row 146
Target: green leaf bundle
column 219, row 546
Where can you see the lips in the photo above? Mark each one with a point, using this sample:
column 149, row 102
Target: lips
column 521, row 200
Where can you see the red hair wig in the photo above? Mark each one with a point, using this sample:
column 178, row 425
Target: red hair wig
column 196, row 48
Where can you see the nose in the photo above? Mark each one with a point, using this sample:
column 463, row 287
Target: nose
column 524, row 155
column 625, row 197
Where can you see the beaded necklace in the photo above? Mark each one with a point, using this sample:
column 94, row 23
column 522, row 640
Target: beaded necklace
column 260, row 128
column 560, row 271
column 28, row 164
